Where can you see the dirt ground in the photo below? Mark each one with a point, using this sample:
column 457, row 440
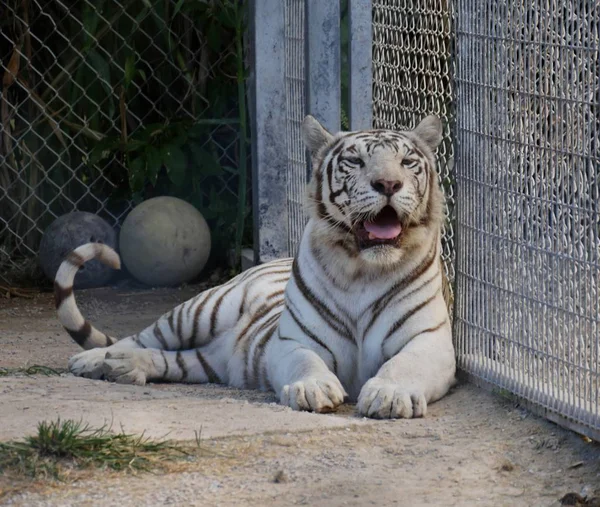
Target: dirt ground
column 473, row 448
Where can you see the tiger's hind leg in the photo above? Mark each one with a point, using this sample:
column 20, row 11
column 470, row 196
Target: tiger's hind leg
column 138, row 366
column 185, row 327
column 152, row 355
column 207, row 322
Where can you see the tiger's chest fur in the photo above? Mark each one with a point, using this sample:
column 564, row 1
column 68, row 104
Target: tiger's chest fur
column 353, row 324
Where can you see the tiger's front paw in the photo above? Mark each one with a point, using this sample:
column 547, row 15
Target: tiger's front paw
column 383, row 399
column 88, row 363
column 314, row 394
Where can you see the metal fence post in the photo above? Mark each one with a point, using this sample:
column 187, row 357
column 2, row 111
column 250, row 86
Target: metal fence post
column 361, row 64
column 269, row 151
column 323, row 62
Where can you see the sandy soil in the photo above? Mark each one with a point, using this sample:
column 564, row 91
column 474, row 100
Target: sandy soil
column 473, row 448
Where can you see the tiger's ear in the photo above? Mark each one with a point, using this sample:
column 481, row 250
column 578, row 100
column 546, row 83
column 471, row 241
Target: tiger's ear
column 315, row 136
column 431, row 131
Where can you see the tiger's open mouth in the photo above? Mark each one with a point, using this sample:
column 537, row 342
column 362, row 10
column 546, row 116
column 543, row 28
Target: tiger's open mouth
column 384, row 229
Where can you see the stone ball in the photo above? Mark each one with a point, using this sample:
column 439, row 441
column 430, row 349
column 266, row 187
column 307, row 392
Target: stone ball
column 164, row 241
column 68, row 232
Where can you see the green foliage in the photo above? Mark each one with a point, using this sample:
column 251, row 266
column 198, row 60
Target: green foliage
column 35, row 369
column 181, row 159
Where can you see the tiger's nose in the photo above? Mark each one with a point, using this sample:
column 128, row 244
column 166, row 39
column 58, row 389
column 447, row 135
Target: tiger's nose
column 386, row 187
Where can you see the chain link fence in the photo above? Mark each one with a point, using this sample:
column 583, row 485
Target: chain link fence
column 412, row 77
column 107, row 103
column 518, row 83
column 528, row 173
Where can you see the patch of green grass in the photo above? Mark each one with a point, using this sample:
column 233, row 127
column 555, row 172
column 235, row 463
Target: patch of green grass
column 36, row 369
column 504, row 393
column 507, row 396
column 62, row 445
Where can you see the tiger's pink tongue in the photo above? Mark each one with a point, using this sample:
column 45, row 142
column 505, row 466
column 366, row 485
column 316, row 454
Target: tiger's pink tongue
column 383, row 231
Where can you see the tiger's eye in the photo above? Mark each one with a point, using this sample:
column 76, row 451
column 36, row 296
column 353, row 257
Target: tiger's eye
column 354, row 160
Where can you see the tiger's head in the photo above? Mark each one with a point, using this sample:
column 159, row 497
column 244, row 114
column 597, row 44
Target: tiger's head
column 374, row 195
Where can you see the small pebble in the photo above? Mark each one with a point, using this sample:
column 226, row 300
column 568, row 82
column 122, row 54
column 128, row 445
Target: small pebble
column 507, row 466
column 280, row 477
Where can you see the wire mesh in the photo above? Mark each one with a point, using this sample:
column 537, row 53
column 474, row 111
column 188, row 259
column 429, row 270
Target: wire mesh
column 528, row 181
column 412, row 70
column 75, row 74
column 296, row 171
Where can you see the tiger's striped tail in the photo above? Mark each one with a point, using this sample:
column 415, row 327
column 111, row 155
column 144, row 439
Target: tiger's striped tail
column 69, row 315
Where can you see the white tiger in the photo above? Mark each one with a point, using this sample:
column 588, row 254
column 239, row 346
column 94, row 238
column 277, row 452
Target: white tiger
column 358, row 314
